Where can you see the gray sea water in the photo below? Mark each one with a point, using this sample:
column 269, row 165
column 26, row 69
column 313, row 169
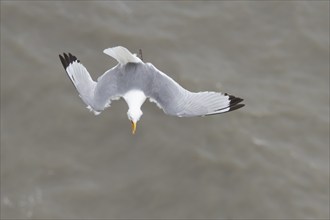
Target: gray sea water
column 269, row 159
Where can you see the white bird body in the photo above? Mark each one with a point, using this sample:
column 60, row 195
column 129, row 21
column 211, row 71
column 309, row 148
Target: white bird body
column 135, row 81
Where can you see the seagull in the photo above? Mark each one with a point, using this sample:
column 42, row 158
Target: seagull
column 135, row 81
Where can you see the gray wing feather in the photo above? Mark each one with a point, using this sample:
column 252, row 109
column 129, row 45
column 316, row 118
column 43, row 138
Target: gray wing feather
column 175, row 100
column 106, row 89
column 96, row 95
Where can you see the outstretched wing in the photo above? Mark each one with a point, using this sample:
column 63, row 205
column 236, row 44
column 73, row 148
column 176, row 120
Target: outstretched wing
column 96, row 95
column 79, row 76
column 175, row 100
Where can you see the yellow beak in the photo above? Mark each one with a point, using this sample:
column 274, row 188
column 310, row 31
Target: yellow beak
column 133, row 127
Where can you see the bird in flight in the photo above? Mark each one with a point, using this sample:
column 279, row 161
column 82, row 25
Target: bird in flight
column 135, row 81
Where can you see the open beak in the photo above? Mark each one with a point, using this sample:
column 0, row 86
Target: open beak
column 133, row 127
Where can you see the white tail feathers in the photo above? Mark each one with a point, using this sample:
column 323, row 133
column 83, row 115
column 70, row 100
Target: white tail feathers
column 122, row 55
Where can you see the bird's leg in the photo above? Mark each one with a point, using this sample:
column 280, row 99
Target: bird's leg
column 140, row 54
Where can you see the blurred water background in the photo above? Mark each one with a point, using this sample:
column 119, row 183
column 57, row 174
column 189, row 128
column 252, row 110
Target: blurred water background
column 269, row 159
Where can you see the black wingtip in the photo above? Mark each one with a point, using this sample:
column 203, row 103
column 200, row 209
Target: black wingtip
column 233, row 104
column 63, row 61
column 66, row 59
column 234, row 100
column 235, row 107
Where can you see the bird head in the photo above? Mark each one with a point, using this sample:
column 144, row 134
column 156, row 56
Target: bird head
column 134, row 116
